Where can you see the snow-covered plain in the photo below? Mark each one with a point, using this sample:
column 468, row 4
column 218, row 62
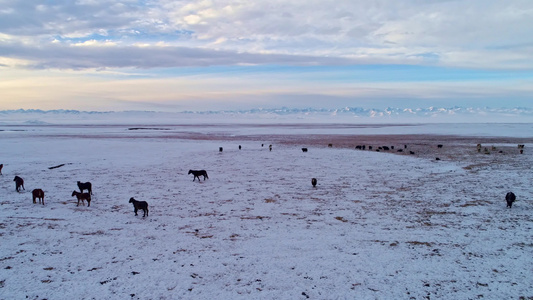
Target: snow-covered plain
column 379, row 225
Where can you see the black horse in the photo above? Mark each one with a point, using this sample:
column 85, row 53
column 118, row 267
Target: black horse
column 198, row 173
column 85, row 186
column 19, row 182
column 139, row 205
column 510, row 198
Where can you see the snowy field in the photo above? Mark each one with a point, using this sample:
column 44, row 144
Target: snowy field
column 379, row 225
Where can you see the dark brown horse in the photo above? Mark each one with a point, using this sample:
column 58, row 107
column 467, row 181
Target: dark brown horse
column 19, row 182
column 1, row 166
column 198, row 173
column 85, row 186
column 82, row 197
column 38, row 194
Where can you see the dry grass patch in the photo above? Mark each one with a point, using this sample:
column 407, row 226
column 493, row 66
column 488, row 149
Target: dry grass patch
column 523, row 245
column 341, row 219
column 254, row 217
column 417, row 243
column 233, row 237
column 434, row 212
column 476, row 166
column 476, row 203
column 99, row 232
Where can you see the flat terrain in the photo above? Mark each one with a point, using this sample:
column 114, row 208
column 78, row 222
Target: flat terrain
column 379, row 225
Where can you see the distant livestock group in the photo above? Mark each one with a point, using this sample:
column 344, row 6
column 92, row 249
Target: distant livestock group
column 38, row 194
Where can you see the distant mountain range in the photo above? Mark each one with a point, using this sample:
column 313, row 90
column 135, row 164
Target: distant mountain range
column 355, row 111
column 55, row 111
column 345, row 114
column 387, row 112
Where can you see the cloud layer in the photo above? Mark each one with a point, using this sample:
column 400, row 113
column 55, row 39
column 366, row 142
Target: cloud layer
column 154, row 34
column 113, row 55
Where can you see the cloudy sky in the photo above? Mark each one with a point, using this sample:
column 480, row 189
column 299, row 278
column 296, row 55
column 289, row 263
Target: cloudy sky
column 168, row 55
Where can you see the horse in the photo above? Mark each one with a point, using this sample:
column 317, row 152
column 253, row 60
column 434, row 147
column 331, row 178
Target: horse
column 1, row 166
column 85, row 186
column 313, row 182
column 510, row 198
column 38, row 194
column 82, row 197
column 19, row 182
column 198, row 173
column 140, row 205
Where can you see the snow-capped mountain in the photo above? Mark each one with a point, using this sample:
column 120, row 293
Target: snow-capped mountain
column 454, row 114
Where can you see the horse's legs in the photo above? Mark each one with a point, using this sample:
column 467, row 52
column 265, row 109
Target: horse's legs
column 135, row 210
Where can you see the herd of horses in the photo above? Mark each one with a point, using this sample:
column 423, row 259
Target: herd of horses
column 38, row 194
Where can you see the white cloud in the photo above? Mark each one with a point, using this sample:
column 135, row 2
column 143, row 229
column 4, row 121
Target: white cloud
column 453, row 32
column 192, row 19
column 95, row 43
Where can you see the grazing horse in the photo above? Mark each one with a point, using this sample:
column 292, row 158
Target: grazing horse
column 19, row 182
column 313, row 182
column 85, row 186
column 510, row 198
column 140, row 205
column 304, row 149
column 82, row 197
column 38, row 194
column 198, row 173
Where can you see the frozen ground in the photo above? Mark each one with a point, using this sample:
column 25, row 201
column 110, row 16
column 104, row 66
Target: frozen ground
column 377, row 226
